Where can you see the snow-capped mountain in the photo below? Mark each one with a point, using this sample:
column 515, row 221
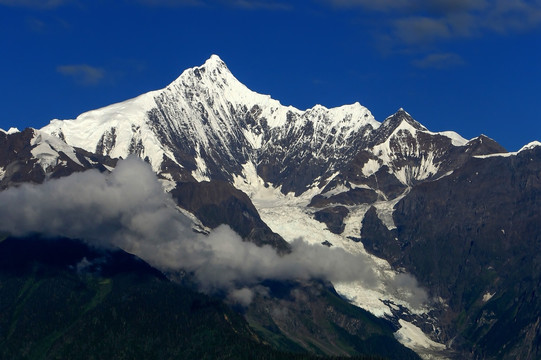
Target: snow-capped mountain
column 33, row 156
column 208, row 125
column 336, row 177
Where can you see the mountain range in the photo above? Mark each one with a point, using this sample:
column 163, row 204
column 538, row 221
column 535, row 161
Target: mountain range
column 438, row 234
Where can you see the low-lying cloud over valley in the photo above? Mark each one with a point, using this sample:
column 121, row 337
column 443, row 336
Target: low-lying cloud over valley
column 129, row 209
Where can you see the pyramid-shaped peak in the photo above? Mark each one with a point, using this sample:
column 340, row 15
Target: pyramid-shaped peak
column 400, row 116
column 214, row 68
column 401, row 113
column 214, row 61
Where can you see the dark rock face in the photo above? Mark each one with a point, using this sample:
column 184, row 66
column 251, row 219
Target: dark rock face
column 391, row 124
column 312, row 316
column 472, row 238
column 333, row 218
column 20, row 166
column 300, row 154
column 350, row 197
column 217, row 202
column 16, row 159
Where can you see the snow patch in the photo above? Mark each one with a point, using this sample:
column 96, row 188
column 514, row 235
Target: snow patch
column 264, row 194
column 530, row 146
column 201, row 173
column 496, row 155
column 487, row 296
column 46, row 149
column 167, row 184
column 12, row 130
column 371, row 167
column 413, row 337
column 386, row 154
column 338, row 189
column 385, row 210
column 456, row 139
column 354, row 221
column 255, row 140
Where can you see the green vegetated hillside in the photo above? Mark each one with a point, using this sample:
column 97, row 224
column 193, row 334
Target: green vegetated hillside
column 61, row 299
column 315, row 317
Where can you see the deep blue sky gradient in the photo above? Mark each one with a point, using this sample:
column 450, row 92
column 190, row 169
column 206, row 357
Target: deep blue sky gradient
column 468, row 66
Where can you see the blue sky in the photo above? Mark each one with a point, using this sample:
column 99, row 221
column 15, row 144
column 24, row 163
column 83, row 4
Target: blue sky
column 472, row 66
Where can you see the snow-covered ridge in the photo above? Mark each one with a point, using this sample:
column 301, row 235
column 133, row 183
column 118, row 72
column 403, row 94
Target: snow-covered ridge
column 526, row 147
column 207, row 107
column 207, row 121
column 12, row 130
column 456, row 139
column 114, row 130
column 46, row 150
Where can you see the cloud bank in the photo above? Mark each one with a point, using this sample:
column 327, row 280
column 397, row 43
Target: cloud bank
column 129, row 209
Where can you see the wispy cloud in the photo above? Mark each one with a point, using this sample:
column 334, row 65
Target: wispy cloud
column 35, row 4
column 422, row 23
column 414, row 30
column 171, row 3
column 432, row 6
column 439, row 61
column 258, row 5
column 241, row 4
column 83, row 74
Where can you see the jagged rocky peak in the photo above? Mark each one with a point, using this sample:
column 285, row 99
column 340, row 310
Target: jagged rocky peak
column 401, row 120
column 402, row 116
column 353, row 116
column 12, row 130
column 213, row 84
column 207, row 125
column 32, row 156
column 210, row 124
column 483, row 145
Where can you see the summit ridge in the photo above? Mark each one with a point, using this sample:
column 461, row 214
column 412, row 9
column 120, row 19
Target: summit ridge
column 206, row 108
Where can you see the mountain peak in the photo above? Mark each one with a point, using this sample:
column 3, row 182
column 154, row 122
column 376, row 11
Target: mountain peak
column 530, row 146
column 214, row 61
column 213, row 69
column 400, row 116
column 12, row 130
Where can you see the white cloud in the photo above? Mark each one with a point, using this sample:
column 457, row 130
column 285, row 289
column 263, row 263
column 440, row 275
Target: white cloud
column 414, row 23
column 35, row 4
column 171, row 3
column 83, row 74
column 128, row 209
column 439, row 61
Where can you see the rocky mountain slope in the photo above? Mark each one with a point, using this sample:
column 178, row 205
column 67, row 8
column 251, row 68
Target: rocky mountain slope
column 460, row 215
